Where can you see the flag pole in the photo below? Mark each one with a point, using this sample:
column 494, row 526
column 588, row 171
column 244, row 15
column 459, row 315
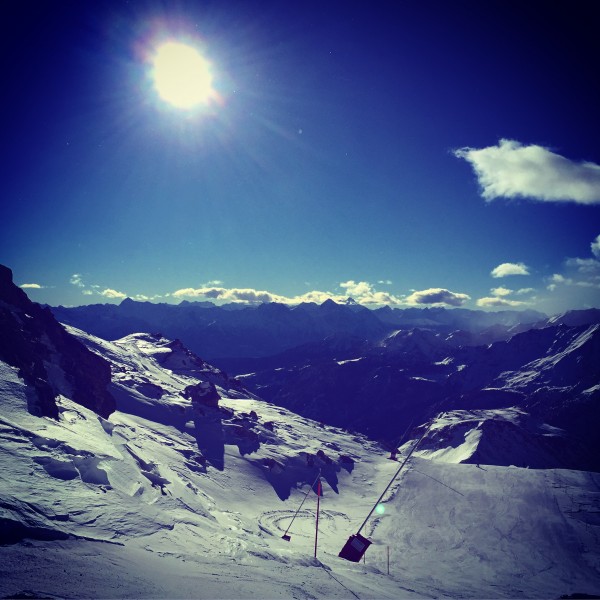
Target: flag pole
column 285, row 536
column 317, row 523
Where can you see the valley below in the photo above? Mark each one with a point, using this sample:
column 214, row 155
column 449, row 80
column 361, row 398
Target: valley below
column 175, row 476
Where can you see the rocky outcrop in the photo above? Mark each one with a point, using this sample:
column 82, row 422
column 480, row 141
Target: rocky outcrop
column 204, row 393
column 51, row 361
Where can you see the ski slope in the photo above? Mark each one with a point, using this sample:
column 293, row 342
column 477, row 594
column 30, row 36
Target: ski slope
column 168, row 498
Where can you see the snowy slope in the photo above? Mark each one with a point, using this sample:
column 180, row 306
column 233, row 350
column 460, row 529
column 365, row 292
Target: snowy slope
column 503, row 437
column 185, row 498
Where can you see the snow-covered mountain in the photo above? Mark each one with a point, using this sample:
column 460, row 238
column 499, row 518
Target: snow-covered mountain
column 46, row 357
column 215, row 331
column 186, row 488
column 175, row 498
column 551, row 372
column 218, row 332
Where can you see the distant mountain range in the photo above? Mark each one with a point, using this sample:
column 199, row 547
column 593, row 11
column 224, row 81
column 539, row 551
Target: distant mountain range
column 553, row 373
column 138, row 463
column 379, row 371
column 232, row 331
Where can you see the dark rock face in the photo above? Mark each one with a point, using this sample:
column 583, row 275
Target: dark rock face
column 204, row 393
column 50, row 360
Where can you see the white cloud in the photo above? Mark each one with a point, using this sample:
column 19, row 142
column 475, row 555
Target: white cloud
column 229, row 294
column 584, row 265
column 506, row 269
column 501, row 291
column 315, row 296
column 108, row 293
column 437, row 297
column 523, row 291
column 511, row 170
column 31, row 286
column 87, row 293
column 357, row 289
column 499, row 298
column 362, row 292
column 496, row 302
column 579, row 272
column 76, row 280
column 144, row 298
column 388, row 282
column 596, row 247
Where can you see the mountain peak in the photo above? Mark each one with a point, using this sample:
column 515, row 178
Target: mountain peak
column 128, row 302
column 329, row 303
column 49, row 360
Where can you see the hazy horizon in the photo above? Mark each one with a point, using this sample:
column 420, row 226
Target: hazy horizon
column 402, row 154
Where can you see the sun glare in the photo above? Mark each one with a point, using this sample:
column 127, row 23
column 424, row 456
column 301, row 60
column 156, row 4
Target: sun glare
column 182, row 76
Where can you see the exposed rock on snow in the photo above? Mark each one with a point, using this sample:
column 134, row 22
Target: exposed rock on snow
column 202, row 393
column 50, row 360
column 185, row 498
column 507, row 437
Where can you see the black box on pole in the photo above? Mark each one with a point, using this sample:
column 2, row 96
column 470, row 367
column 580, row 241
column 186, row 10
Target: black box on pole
column 355, row 548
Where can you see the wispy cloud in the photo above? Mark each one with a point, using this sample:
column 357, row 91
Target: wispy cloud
column 437, row 297
column 596, row 247
column 499, row 298
column 506, row 269
column 94, row 289
column 76, row 280
column 144, row 298
column 512, row 170
column 31, row 286
column 584, row 278
column 579, row 272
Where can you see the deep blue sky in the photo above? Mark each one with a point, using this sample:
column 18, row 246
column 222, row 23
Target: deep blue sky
column 330, row 161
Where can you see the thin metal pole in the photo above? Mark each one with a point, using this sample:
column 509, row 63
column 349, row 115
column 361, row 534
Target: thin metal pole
column 303, row 500
column 396, row 474
column 403, row 436
column 388, row 560
column 317, row 524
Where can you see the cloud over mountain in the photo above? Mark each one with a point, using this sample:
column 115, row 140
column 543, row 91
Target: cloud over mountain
column 110, row 293
column 437, row 296
column 512, row 170
column 229, row 294
column 31, row 286
column 499, row 298
column 497, row 302
column 362, row 292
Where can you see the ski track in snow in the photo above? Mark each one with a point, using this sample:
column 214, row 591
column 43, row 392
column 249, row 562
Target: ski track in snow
column 177, row 515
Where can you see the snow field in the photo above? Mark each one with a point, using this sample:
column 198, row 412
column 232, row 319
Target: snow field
column 192, row 501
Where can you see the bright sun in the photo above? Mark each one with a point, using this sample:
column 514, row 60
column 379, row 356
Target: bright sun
column 182, row 76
